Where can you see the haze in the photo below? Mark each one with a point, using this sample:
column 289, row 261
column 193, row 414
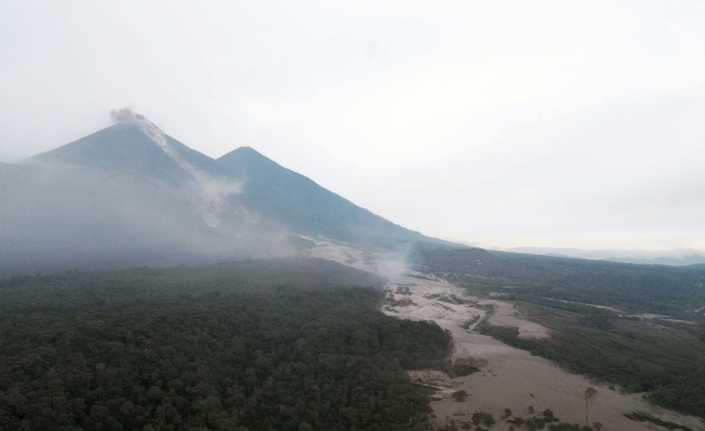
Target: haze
column 502, row 124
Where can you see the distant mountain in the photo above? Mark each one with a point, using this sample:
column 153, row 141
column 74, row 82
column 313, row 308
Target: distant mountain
column 130, row 194
column 674, row 257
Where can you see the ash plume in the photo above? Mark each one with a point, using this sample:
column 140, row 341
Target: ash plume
column 125, row 116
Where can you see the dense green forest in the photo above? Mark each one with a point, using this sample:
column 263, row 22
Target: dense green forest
column 661, row 357
column 678, row 292
column 259, row 345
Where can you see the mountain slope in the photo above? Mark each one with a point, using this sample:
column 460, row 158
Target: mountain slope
column 242, row 184
column 132, row 193
column 134, row 146
column 120, row 148
column 305, row 207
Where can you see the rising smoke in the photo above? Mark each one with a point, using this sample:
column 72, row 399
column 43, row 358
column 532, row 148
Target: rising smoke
column 125, row 116
column 59, row 214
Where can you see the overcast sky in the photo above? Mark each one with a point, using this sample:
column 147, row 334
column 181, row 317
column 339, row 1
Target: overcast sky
column 500, row 124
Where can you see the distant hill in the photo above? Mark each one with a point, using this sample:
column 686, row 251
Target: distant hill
column 676, row 291
column 674, row 257
column 131, row 194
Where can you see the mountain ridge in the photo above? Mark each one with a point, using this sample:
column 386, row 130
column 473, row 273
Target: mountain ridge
column 295, row 200
column 133, row 186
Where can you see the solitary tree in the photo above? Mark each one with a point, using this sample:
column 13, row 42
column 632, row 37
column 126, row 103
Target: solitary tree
column 589, row 393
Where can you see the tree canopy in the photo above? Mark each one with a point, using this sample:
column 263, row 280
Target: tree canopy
column 228, row 349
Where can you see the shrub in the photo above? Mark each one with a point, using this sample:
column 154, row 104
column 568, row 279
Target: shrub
column 459, row 396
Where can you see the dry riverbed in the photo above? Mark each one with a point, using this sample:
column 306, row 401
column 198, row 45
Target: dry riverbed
column 508, row 378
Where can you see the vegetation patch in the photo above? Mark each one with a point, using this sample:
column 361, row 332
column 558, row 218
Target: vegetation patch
column 459, row 396
column 483, row 418
column 462, row 367
column 221, row 348
column 645, row 417
column 404, row 302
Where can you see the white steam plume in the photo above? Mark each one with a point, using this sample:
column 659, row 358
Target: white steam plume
column 124, row 116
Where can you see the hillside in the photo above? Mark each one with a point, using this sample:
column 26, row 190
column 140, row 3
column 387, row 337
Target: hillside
column 305, row 207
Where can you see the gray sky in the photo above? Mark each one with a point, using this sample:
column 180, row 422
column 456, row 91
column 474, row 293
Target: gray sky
column 506, row 124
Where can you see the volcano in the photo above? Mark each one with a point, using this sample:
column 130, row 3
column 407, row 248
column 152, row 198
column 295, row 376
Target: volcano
column 131, row 194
